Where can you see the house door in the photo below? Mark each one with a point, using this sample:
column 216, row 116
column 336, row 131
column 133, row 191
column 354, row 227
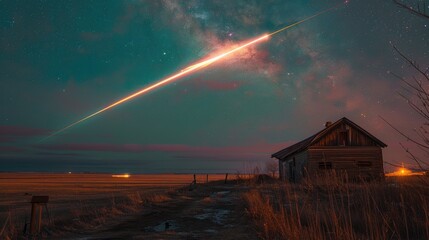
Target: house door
column 292, row 171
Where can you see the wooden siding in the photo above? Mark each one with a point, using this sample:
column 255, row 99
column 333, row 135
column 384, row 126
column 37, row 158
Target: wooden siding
column 354, row 137
column 364, row 162
column 281, row 170
column 301, row 160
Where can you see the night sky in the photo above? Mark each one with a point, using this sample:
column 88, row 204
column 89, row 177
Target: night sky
column 63, row 60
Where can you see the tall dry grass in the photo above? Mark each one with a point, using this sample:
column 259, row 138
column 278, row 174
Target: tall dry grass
column 329, row 207
column 82, row 215
column 86, row 215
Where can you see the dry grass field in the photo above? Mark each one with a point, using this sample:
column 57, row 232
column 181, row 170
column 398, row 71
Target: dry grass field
column 331, row 208
column 99, row 206
column 81, row 201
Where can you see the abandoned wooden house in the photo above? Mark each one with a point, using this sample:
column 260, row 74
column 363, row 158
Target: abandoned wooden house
column 342, row 146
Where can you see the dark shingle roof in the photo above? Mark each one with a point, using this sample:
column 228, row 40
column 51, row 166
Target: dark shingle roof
column 304, row 144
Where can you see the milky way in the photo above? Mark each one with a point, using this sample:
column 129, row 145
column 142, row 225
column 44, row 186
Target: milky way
column 63, row 60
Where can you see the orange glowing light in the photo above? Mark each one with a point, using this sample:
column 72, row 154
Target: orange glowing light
column 194, row 67
column 404, row 172
column 121, row 175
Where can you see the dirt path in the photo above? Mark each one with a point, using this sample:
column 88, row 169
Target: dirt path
column 211, row 211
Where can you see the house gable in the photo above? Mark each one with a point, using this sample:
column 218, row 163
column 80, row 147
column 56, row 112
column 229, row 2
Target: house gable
column 342, row 132
column 345, row 134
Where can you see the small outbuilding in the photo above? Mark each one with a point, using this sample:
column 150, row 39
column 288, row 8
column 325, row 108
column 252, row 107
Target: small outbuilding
column 342, row 146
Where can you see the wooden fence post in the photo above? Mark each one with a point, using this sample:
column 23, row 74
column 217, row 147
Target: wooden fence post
column 36, row 213
column 226, row 177
column 207, row 178
column 34, row 207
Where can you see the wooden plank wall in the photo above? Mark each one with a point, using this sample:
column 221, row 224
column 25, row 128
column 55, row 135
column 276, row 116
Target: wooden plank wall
column 347, row 158
column 356, row 137
column 301, row 160
column 281, row 170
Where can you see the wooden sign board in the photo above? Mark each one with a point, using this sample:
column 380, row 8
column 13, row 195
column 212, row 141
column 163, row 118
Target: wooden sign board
column 40, row 199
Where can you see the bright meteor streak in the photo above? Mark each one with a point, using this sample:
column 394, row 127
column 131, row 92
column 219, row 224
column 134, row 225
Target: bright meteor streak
column 181, row 73
column 195, row 67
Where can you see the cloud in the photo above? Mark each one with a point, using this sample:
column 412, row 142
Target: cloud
column 11, row 149
column 214, row 85
column 211, row 85
column 55, row 154
column 249, row 59
column 239, row 152
column 21, row 131
column 213, row 36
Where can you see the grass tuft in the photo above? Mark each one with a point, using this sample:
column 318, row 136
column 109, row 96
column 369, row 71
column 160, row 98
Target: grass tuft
column 332, row 208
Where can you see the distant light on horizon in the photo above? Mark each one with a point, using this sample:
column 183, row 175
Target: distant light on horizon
column 404, row 172
column 121, row 175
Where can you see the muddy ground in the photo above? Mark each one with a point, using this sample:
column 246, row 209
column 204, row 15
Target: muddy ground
column 97, row 206
column 209, row 211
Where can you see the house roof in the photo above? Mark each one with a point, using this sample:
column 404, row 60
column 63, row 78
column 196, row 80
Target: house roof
column 304, row 144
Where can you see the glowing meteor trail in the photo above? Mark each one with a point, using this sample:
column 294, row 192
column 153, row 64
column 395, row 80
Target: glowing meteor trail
column 195, row 67
column 183, row 72
column 306, row 19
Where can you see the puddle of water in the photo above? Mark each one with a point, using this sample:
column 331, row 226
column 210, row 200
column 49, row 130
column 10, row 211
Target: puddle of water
column 220, row 194
column 202, row 216
column 164, row 226
column 210, row 231
column 215, row 215
column 223, row 192
column 220, row 215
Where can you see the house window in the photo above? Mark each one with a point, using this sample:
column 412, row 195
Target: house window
column 325, row 165
column 363, row 164
column 343, row 138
